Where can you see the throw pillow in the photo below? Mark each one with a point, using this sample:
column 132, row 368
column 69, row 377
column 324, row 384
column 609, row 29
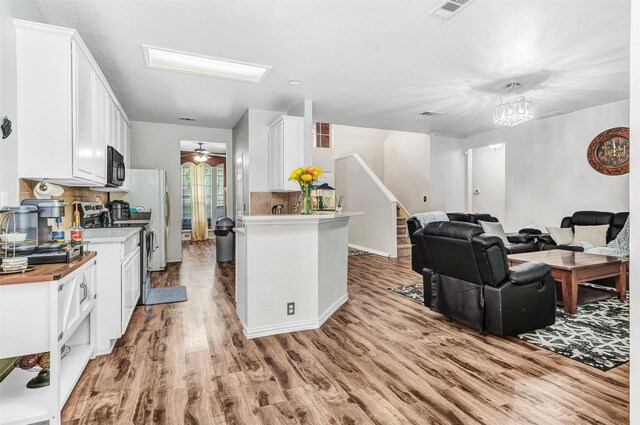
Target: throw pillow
column 430, row 217
column 597, row 235
column 561, row 235
column 494, row 228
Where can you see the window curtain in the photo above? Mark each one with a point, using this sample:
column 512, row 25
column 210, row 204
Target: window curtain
column 199, row 231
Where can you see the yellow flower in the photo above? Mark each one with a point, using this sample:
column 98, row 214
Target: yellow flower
column 306, row 178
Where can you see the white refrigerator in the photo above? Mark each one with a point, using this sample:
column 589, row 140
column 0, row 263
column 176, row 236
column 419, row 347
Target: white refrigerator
column 149, row 189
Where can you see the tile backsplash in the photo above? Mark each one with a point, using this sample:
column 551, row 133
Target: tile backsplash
column 71, row 194
column 262, row 202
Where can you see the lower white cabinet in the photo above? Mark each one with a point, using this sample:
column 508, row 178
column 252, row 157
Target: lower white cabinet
column 118, row 279
column 130, row 287
column 57, row 316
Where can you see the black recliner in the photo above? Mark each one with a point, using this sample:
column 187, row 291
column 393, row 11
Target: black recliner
column 467, row 278
column 517, row 243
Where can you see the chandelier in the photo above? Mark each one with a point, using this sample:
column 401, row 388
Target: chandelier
column 513, row 113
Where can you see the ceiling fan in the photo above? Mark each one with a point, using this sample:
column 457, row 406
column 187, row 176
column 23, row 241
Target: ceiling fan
column 202, row 154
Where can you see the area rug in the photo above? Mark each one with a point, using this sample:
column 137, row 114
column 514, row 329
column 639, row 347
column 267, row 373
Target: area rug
column 597, row 335
column 170, row 294
column 353, row 251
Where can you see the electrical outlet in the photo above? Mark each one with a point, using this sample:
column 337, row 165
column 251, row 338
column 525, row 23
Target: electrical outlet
column 291, row 309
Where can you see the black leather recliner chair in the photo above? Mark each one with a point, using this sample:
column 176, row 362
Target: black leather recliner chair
column 586, row 218
column 467, row 278
column 517, row 243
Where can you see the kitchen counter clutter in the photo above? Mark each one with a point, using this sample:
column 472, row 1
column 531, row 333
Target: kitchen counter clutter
column 291, row 271
column 50, row 309
column 47, row 272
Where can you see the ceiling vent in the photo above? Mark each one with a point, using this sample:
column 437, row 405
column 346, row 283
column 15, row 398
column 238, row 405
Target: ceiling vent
column 430, row 114
column 449, row 8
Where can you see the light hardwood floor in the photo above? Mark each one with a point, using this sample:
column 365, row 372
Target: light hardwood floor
column 381, row 359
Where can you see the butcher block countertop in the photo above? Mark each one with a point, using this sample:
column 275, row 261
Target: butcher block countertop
column 47, row 272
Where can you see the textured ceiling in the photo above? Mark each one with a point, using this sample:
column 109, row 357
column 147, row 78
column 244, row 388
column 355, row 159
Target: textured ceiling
column 363, row 63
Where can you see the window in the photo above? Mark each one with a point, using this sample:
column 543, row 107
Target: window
column 220, row 191
column 186, row 197
column 214, row 194
column 321, row 135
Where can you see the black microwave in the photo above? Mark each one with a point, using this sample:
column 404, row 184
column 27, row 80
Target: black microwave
column 115, row 168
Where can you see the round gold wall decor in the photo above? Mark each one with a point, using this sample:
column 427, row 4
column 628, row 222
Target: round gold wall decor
column 608, row 153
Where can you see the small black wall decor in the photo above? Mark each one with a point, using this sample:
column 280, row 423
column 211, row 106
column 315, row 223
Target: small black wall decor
column 6, row 127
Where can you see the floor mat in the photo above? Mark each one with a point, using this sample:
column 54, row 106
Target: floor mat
column 597, row 335
column 170, row 294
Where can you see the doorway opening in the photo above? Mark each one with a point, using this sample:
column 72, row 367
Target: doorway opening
column 203, row 188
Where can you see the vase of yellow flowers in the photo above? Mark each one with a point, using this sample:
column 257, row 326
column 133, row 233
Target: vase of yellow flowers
column 306, row 176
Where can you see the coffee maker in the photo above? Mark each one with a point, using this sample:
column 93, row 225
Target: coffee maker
column 48, row 209
column 48, row 251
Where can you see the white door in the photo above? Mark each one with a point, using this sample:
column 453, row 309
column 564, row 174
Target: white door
column 83, row 145
column 488, row 181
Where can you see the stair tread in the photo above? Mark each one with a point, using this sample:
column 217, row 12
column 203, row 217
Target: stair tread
column 408, row 245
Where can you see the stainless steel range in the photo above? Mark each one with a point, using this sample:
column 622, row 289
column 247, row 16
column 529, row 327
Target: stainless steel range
column 94, row 216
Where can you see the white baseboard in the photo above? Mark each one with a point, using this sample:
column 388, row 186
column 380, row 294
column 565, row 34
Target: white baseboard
column 373, row 251
column 295, row 326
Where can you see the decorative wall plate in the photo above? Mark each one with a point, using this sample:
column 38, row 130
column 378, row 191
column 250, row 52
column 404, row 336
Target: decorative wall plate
column 608, row 153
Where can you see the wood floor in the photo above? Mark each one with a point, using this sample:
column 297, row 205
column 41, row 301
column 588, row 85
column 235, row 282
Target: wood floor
column 381, row 359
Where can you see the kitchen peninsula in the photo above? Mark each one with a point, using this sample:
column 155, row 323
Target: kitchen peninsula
column 291, row 271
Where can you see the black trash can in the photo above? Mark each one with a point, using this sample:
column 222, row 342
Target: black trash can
column 225, row 239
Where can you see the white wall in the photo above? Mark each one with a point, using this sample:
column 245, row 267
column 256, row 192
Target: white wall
column 547, row 173
column 25, row 9
column 366, row 142
column 634, row 264
column 375, row 231
column 407, row 169
column 305, row 109
column 448, row 171
column 488, row 178
column 155, row 145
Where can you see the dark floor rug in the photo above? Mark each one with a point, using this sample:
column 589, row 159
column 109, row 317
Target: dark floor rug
column 597, row 335
column 170, row 294
column 353, row 251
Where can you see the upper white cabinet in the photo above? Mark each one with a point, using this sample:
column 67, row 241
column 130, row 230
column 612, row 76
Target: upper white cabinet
column 67, row 112
column 285, row 152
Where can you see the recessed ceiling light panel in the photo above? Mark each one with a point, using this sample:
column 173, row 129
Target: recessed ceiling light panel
column 295, row 82
column 171, row 60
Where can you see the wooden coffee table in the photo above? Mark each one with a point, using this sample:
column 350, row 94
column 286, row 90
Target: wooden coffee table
column 569, row 267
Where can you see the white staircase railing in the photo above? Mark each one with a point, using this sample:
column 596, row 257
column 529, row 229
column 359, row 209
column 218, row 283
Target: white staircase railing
column 375, row 231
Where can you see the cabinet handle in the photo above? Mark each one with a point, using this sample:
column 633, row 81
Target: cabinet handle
column 85, row 292
column 60, row 336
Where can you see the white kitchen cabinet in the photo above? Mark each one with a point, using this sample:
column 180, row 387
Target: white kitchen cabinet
column 63, row 128
column 43, row 316
column 130, row 287
column 102, row 116
column 285, row 152
column 118, row 281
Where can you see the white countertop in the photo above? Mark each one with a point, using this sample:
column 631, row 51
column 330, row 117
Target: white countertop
column 119, row 234
column 316, row 217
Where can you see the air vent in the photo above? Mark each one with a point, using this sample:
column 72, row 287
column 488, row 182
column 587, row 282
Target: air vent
column 430, row 113
column 186, row 119
column 449, row 8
